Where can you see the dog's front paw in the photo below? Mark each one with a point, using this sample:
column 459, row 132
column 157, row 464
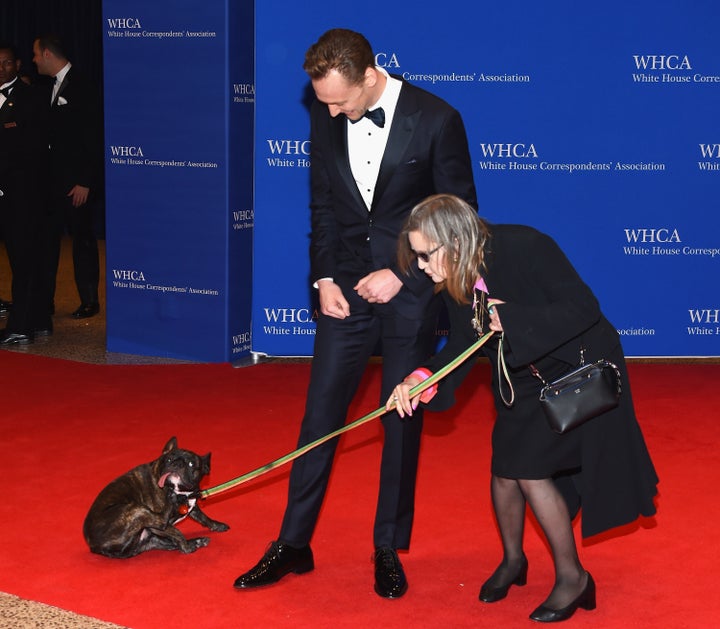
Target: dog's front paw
column 193, row 544
column 218, row 527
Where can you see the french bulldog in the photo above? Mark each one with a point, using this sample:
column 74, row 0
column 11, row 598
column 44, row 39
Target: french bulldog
column 138, row 511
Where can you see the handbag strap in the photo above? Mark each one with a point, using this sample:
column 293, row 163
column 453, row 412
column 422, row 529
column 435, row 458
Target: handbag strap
column 536, row 373
column 503, row 374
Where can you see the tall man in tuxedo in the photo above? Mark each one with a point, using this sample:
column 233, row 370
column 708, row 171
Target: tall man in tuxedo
column 379, row 146
column 76, row 168
column 23, row 211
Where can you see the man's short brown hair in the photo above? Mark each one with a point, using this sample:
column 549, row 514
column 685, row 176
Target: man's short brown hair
column 340, row 49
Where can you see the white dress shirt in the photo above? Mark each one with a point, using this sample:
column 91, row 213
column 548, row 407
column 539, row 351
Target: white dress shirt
column 59, row 78
column 367, row 141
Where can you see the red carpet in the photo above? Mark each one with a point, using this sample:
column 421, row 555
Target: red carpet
column 69, row 428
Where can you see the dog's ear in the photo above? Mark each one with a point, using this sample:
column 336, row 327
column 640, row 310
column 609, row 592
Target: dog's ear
column 170, row 445
column 205, row 464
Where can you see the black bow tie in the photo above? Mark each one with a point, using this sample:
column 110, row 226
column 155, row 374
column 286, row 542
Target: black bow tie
column 6, row 90
column 376, row 115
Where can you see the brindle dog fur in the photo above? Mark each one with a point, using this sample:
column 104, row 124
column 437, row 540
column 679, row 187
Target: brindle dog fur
column 139, row 510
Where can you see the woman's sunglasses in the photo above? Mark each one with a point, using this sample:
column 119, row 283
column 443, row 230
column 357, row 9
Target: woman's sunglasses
column 426, row 255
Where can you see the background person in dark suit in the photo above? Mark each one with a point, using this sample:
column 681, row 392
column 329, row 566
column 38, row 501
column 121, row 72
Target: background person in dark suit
column 76, row 168
column 23, row 173
column 4, row 73
column 379, row 145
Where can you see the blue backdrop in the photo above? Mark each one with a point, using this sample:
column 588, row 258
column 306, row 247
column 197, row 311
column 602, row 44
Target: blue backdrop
column 596, row 123
column 179, row 106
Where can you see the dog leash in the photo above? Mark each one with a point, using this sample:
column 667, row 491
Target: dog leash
column 416, row 390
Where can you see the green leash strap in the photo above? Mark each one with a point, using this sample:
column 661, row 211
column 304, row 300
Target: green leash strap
column 425, row 384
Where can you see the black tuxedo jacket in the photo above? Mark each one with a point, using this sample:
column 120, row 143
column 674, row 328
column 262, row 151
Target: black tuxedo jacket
column 76, row 135
column 426, row 153
column 23, row 134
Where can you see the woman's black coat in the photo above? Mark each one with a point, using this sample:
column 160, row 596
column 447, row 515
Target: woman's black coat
column 603, row 466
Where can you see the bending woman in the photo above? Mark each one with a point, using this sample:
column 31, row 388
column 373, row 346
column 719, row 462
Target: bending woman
column 516, row 281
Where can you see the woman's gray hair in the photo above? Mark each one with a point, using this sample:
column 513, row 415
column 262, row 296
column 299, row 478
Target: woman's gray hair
column 447, row 220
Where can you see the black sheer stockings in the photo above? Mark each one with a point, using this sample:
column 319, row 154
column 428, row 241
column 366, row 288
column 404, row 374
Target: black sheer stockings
column 509, row 498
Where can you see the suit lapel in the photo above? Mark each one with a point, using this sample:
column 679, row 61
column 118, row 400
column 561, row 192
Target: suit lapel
column 405, row 121
column 9, row 101
column 62, row 87
column 6, row 107
column 5, row 111
column 338, row 133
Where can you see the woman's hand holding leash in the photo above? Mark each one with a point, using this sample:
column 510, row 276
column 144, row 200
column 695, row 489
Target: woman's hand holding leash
column 495, row 325
column 403, row 403
column 400, row 399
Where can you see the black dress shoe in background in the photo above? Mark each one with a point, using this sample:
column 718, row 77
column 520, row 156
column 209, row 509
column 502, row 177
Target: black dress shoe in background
column 390, row 581
column 14, row 338
column 586, row 600
column 86, row 310
column 5, row 307
column 279, row 560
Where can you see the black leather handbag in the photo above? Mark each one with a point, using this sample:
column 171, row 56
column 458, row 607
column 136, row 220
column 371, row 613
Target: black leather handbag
column 584, row 393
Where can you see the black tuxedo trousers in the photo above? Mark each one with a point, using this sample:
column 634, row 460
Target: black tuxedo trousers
column 342, row 350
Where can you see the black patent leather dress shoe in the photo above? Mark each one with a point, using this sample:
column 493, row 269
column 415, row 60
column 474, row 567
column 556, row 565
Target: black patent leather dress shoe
column 13, row 338
column 5, row 307
column 48, row 331
column 586, row 600
column 279, row 560
column 490, row 593
column 390, row 581
column 86, row 310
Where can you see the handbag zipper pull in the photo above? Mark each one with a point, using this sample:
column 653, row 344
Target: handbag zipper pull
column 536, row 373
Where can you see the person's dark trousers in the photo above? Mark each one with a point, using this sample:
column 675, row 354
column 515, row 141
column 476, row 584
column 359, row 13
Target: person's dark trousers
column 86, row 264
column 22, row 210
column 342, row 350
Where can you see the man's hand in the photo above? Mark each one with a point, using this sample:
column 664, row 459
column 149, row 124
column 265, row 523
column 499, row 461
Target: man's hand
column 332, row 300
column 379, row 287
column 79, row 195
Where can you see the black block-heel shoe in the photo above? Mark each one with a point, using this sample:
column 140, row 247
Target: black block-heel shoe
column 586, row 600
column 492, row 594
